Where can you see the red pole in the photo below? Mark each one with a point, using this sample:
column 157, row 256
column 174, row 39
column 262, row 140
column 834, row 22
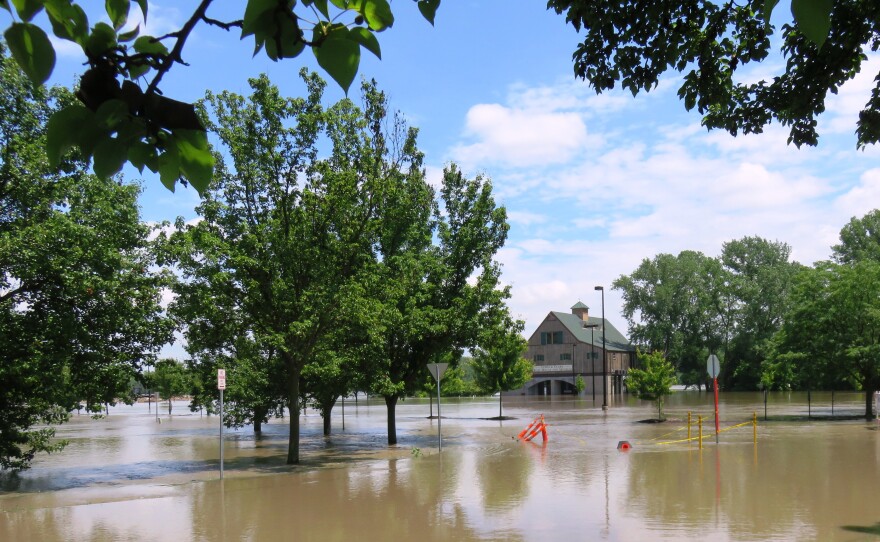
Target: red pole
column 715, row 385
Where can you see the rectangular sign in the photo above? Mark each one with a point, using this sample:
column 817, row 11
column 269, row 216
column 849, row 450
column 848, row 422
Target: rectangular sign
column 221, row 379
column 552, row 368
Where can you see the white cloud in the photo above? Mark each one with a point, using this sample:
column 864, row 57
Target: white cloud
column 516, row 137
column 525, row 218
column 651, row 187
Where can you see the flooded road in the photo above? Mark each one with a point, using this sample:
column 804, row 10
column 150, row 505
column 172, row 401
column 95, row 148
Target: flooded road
column 127, row 477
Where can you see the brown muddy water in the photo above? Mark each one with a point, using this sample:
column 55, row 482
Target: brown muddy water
column 127, row 477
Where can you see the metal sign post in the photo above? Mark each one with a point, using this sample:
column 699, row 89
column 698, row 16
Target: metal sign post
column 221, row 385
column 713, row 366
column 437, row 370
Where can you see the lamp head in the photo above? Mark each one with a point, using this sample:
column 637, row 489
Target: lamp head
column 597, row 288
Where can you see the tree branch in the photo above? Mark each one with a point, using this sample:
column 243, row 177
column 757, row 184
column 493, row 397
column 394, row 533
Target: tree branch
column 175, row 54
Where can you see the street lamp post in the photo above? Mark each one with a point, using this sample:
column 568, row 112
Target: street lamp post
column 604, row 354
column 593, row 357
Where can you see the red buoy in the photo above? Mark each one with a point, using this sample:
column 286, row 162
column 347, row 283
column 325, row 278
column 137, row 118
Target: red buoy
column 624, row 446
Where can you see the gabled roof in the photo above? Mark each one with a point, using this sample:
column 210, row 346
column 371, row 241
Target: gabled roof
column 614, row 338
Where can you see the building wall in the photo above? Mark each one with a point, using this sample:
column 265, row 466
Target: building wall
column 562, row 362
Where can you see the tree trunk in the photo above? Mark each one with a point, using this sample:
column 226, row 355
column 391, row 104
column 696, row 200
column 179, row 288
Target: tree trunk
column 499, row 405
column 293, row 405
column 391, row 404
column 327, row 423
column 169, row 407
column 326, row 410
column 259, row 415
column 869, row 402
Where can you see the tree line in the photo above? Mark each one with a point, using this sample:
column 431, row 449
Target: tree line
column 773, row 322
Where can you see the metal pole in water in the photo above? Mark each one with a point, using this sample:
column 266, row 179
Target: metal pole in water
column 765, row 404
column 700, row 422
column 689, row 426
column 439, row 433
column 221, row 434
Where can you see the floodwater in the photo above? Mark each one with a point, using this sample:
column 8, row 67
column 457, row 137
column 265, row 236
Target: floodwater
column 127, row 477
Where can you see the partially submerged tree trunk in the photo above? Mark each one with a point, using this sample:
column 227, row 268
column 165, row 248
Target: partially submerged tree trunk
column 499, row 405
column 391, row 404
column 293, row 405
column 869, row 402
column 327, row 409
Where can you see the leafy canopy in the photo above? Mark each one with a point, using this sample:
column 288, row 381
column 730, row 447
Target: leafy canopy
column 123, row 115
column 634, row 43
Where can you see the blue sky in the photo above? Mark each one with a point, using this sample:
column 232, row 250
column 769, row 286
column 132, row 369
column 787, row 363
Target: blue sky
column 592, row 184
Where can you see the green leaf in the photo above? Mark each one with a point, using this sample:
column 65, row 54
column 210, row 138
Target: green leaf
column 5, row 5
column 767, row 10
column 378, row 14
column 196, row 160
column 813, row 18
column 429, row 9
column 143, row 4
column 341, row 4
column 110, row 154
column 130, row 35
column 118, row 11
column 102, row 38
column 141, row 154
column 340, row 59
column 150, row 45
column 257, row 16
column 27, row 8
column 68, row 20
column 62, row 131
column 32, row 50
column 322, row 7
column 367, row 39
column 169, row 167
column 111, row 113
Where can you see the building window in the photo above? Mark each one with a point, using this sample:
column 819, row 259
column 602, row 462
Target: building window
column 548, row 337
column 565, row 357
column 539, row 357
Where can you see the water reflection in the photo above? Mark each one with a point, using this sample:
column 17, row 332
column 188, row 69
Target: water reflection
column 129, row 478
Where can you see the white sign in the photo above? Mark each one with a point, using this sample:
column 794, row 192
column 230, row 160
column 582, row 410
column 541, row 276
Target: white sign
column 552, row 368
column 437, row 370
column 221, row 379
column 713, row 366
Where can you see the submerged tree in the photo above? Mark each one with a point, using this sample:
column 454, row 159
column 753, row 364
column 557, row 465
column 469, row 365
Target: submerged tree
column 80, row 306
column 286, row 236
column 832, row 332
column 654, row 381
column 434, row 294
column 170, row 378
column 499, row 364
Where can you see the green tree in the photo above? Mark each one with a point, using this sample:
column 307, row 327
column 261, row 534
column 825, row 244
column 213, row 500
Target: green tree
column 859, row 239
column 80, row 305
column 633, row 43
column 118, row 122
column 435, row 294
column 676, row 305
column 654, row 382
column 831, row 334
column 759, row 283
column 579, row 384
column 170, row 378
column 286, row 237
column 499, row 364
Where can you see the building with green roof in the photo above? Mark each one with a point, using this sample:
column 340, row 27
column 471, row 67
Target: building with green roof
column 566, row 345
